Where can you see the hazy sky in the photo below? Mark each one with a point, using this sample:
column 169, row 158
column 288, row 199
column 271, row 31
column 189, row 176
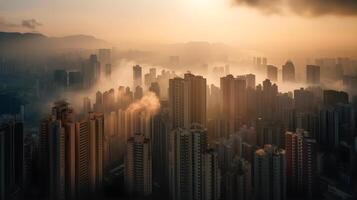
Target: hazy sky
column 168, row 21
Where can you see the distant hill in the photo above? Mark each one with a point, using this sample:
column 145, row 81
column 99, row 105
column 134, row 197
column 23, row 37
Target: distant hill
column 13, row 43
column 13, row 36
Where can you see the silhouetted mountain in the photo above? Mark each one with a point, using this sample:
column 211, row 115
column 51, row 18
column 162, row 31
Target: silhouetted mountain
column 13, row 36
column 38, row 44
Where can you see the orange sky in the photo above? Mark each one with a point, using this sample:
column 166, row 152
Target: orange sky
column 169, row 21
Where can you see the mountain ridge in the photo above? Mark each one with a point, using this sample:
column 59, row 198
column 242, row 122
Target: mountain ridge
column 12, row 43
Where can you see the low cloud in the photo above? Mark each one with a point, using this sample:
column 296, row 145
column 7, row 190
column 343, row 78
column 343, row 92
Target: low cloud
column 309, row 8
column 4, row 24
column 30, row 23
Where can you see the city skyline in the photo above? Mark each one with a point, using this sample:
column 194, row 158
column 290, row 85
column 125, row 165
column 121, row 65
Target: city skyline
column 178, row 99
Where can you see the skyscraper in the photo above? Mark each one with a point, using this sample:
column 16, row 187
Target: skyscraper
column 91, row 71
column 155, row 88
column 70, row 160
column 265, row 61
column 75, row 80
column 304, row 101
column 96, row 128
column 137, row 76
column 332, row 97
column 301, row 164
column 272, row 73
column 108, row 100
column 212, row 187
column 139, row 93
column 138, row 166
column 267, row 102
column 288, row 72
column 56, row 160
column 104, row 56
column 228, row 102
column 187, row 101
column 71, row 153
column 153, row 74
column 53, row 150
column 98, row 105
column 11, row 160
column 180, row 164
column 60, row 77
column 105, row 59
column 270, row 174
column 187, row 148
column 310, row 164
column 313, row 74
column 269, row 132
column 195, row 100
column 87, row 106
column 294, row 161
column 238, row 181
column 234, row 101
column 159, row 138
column 329, row 133
column 82, row 159
column 250, row 81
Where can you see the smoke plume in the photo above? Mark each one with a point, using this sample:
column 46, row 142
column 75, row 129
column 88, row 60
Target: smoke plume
column 149, row 104
column 303, row 7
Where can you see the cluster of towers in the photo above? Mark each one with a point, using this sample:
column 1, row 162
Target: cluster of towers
column 238, row 140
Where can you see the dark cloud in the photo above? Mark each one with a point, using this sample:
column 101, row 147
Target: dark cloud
column 304, row 7
column 30, row 23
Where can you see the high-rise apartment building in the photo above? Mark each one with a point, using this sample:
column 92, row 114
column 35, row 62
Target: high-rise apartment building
column 91, row 71
column 187, row 149
column 269, row 132
column 267, row 100
column 238, row 181
column 138, row 166
column 270, row 173
column 212, row 187
column 329, row 132
column 137, row 76
column 96, row 144
column 53, row 150
column 294, row 161
column 188, row 101
column 87, row 106
column 195, row 100
column 272, row 73
column 313, row 74
column 139, row 93
column 234, row 101
column 11, row 160
column 250, row 81
column 159, row 138
column 105, row 59
column 301, row 164
column 333, row 97
column 304, row 101
column 288, row 72
column 82, row 159
column 310, row 165
column 71, row 153
column 155, row 88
